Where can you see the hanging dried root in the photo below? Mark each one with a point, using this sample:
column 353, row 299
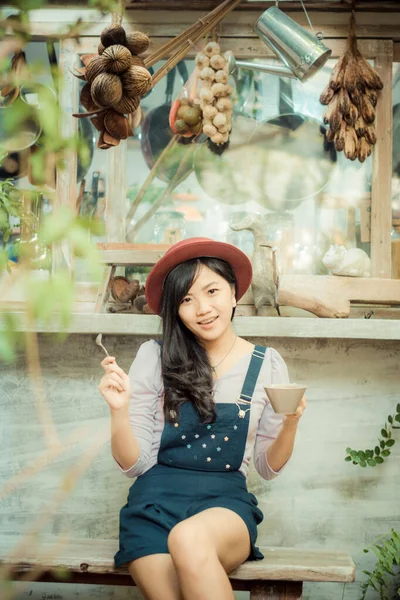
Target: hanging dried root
column 351, row 97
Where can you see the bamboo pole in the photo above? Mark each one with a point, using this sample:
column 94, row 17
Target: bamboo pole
column 204, row 29
column 152, row 174
column 186, row 35
column 176, row 180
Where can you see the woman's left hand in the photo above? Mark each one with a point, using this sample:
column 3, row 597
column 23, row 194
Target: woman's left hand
column 294, row 419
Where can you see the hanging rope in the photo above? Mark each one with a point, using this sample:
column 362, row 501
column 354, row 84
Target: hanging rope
column 118, row 15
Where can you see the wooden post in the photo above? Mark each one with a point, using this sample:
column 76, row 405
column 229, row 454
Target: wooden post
column 115, row 213
column 279, row 590
column 381, row 208
column 66, row 190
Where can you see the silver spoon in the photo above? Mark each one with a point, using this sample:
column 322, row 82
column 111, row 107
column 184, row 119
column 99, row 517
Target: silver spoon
column 98, row 342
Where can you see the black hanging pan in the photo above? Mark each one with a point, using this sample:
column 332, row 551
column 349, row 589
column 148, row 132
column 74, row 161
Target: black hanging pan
column 156, row 132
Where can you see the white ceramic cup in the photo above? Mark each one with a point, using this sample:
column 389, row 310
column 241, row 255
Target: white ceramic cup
column 285, row 398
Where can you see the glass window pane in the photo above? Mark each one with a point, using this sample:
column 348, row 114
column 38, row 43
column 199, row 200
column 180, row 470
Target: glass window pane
column 278, row 178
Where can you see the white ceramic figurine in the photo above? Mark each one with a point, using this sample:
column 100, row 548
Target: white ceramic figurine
column 350, row 263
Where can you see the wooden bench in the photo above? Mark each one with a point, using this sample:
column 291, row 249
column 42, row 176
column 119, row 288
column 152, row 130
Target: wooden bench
column 279, row 576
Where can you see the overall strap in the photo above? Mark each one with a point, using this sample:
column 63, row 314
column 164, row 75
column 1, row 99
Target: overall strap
column 252, row 374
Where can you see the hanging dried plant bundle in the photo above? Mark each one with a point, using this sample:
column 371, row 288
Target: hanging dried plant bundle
column 86, row 58
column 136, row 81
column 117, row 58
column 215, row 104
column 117, row 125
column 94, row 67
column 106, row 89
column 137, row 42
column 98, row 122
column 113, row 34
column 351, row 97
column 86, row 98
column 127, row 105
column 116, row 80
column 137, row 61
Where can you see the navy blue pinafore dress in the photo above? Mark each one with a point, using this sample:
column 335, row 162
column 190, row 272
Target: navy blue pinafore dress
column 198, row 468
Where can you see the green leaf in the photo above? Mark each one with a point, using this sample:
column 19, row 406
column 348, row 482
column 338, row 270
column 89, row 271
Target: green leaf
column 377, row 450
column 379, row 460
column 386, row 453
column 390, row 443
column 7, row 347
column 348, row 450
column 384, row 433
column 363, row 464
column 390, row 419
column 397, row 417
column 382, row 444
column 398, row 408
column 371, row 462
column 348, row 458
column 55, row 227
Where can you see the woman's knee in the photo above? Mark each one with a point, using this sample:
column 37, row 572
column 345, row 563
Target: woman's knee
column 155, row 576
column 190, row 547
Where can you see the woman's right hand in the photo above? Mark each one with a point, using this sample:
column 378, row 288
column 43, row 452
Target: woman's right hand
column 115, row 386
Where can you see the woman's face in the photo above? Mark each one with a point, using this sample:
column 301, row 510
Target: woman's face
column 206, row 310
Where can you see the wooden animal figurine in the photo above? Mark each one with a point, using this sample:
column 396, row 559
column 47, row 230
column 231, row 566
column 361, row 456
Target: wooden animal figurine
column 265, row 282
column 351, row 263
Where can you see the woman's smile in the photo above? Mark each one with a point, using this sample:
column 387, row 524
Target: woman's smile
column 208, row 322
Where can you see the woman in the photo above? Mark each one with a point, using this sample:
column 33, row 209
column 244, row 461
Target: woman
column 186, row 421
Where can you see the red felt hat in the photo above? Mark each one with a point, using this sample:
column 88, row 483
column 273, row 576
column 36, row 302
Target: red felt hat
column 196, row 247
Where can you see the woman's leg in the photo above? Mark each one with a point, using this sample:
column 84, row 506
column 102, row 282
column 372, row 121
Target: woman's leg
column 204, row 548
column 156, row 577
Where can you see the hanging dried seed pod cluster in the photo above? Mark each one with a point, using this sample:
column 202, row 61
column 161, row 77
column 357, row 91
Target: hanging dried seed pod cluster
column 116, row 80
column 215, row 102
column 351, row 96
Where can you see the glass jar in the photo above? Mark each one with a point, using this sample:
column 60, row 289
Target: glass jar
column 169, row 227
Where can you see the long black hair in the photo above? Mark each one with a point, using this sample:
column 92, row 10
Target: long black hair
column 185, row 366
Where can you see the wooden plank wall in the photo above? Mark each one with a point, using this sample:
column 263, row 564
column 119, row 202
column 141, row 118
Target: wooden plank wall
column 319, row 501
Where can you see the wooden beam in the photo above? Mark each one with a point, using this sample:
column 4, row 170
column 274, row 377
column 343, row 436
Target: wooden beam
column 270, row 327
column 326, row 5
column 169, row 23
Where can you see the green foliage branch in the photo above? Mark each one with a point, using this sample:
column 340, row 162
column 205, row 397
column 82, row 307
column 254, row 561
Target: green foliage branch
column 385, row 573
column 377, row 455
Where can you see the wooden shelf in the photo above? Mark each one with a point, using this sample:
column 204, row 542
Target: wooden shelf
column 269, row 327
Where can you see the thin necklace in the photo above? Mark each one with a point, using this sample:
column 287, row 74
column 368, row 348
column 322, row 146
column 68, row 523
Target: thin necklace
column 213, row 368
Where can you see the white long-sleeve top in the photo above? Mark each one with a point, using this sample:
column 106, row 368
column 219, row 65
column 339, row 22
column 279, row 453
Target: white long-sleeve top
column 147, row 416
